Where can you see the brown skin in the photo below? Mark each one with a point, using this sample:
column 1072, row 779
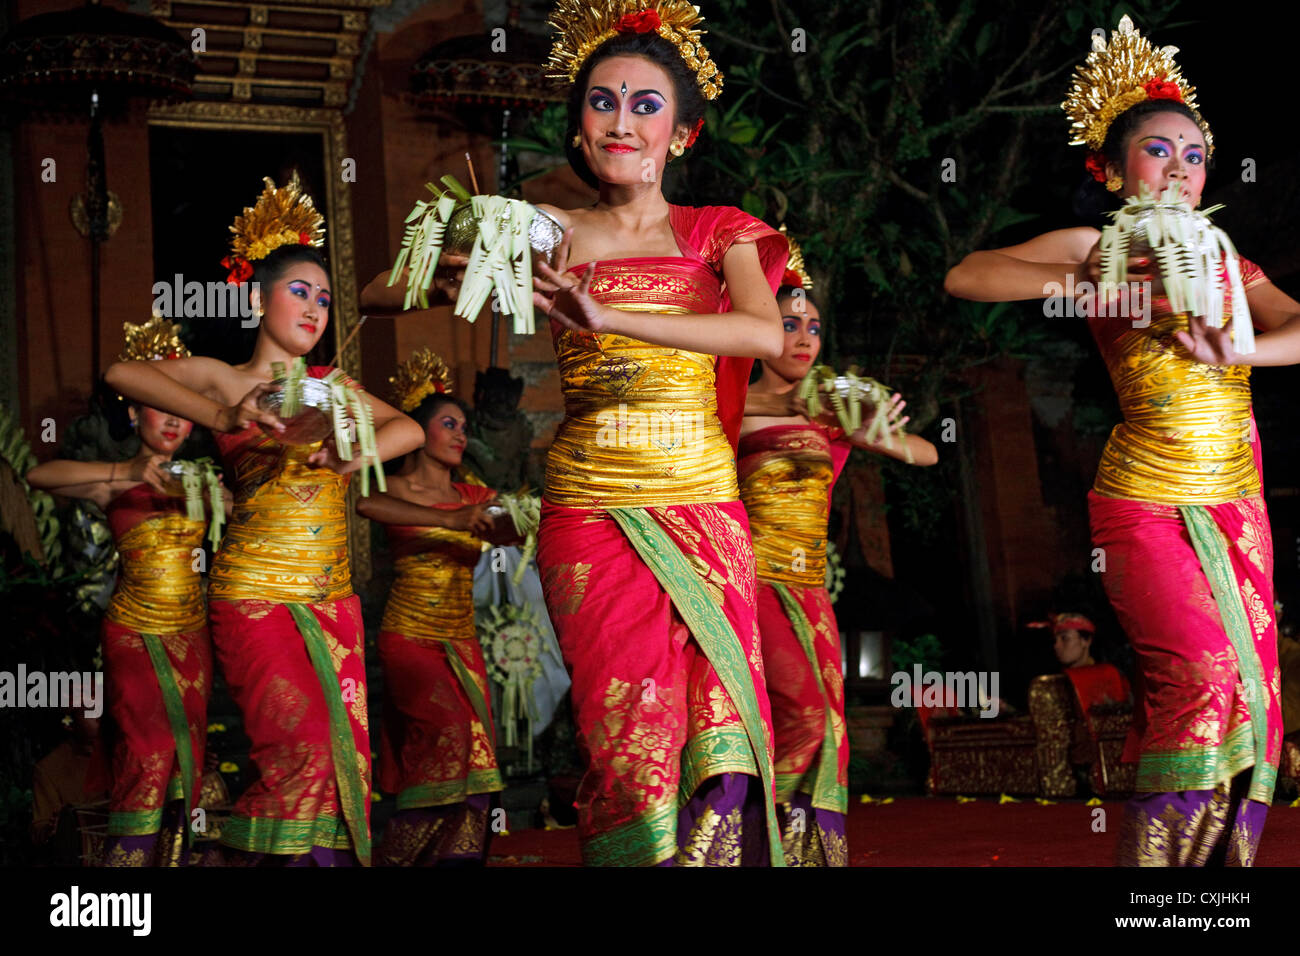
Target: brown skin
column 424, row 482
column 160, row 433
column 1073, row 648
column 1155, row 155
column 225, row 396
column 772, row 400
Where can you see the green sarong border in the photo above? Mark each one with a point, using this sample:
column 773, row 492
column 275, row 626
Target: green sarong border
column 646, row 841
column 715, row 636
column 1217, row 565
column 1199, row 768
column 450, row 791
column 352, row 789
column 171, row 695
column 472, row 691
column 826, row 792
column 285, row 837
column 717, row 750
column 135, row 822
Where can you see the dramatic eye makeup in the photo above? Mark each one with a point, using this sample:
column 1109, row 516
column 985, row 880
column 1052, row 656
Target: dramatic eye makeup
column 302, row 289
column 645, row 102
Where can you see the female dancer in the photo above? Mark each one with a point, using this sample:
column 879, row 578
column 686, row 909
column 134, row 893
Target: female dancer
column 1177, row 508
column 157, row 655
column 788, row 465
column 285, row 623
column 437, row 751
column 644, row 547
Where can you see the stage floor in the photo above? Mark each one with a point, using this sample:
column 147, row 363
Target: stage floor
column 939, row 831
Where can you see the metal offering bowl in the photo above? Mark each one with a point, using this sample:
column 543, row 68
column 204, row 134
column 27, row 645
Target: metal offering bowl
column 544, row 234
column 175, row 471
column 315, row 419
column 496, row 511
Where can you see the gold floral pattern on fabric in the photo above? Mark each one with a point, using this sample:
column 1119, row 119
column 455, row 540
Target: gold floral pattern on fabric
column 286, row 540
column 714, row 840
column 566, row 584
column 1261, row 617
column 158, row 590
column 806, row 843
column 641, row 425
column 639, row 739
column 1173, row 837
column 785, row 482
column 1186, row 434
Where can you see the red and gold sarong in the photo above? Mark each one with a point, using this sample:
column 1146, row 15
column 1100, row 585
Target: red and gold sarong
column 1178, row 518
column 786, row 474
column 648, row 572
column 437, row 750
column 288, row 633
column 158, row 664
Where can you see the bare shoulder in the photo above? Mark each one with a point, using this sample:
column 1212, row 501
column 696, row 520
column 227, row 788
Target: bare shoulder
column 1059, row 245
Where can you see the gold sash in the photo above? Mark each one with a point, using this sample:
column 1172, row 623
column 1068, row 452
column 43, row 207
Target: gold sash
column 433, row 595
column 1186, row 435
column 158, row 587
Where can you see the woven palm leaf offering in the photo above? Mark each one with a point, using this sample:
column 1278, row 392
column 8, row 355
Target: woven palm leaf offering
column 525, row 511
column 1193, row 255
column 846, row 395
column 190, row 479
column 500, row 236
column 313, row 409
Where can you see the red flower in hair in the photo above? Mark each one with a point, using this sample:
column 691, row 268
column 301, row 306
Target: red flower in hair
column 647, row 21
column 1096, row 164
column 690, row 140
column 241, row 270
column 792, row 278
column 1158, row 89
column 304, row 238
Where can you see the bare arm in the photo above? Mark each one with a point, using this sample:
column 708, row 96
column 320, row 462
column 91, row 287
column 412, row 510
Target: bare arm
column 388, row 509
column 190, row 388
column 1024, row 271
column 378, row 298
column 1270, row 309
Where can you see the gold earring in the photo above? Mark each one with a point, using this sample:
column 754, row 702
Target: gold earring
column 676, row 148
column 576, row 141
column 1115, row 183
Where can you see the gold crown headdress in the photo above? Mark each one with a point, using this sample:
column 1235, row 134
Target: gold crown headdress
column 155, row 339
column 1119, row 75
column 281, row 216
column 420, row 376
column 796, row 273
column 583, row 25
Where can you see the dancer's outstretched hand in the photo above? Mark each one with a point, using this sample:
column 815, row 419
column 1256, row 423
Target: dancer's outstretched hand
column 564, row 298
column 327, row 456
column 1208, row 345
column 233, row 418
column 149, row 470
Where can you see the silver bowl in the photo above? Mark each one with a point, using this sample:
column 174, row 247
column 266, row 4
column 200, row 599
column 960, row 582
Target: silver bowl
column 496, row 511
column 175, row 471
column 315, row 419
column 544, row 234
